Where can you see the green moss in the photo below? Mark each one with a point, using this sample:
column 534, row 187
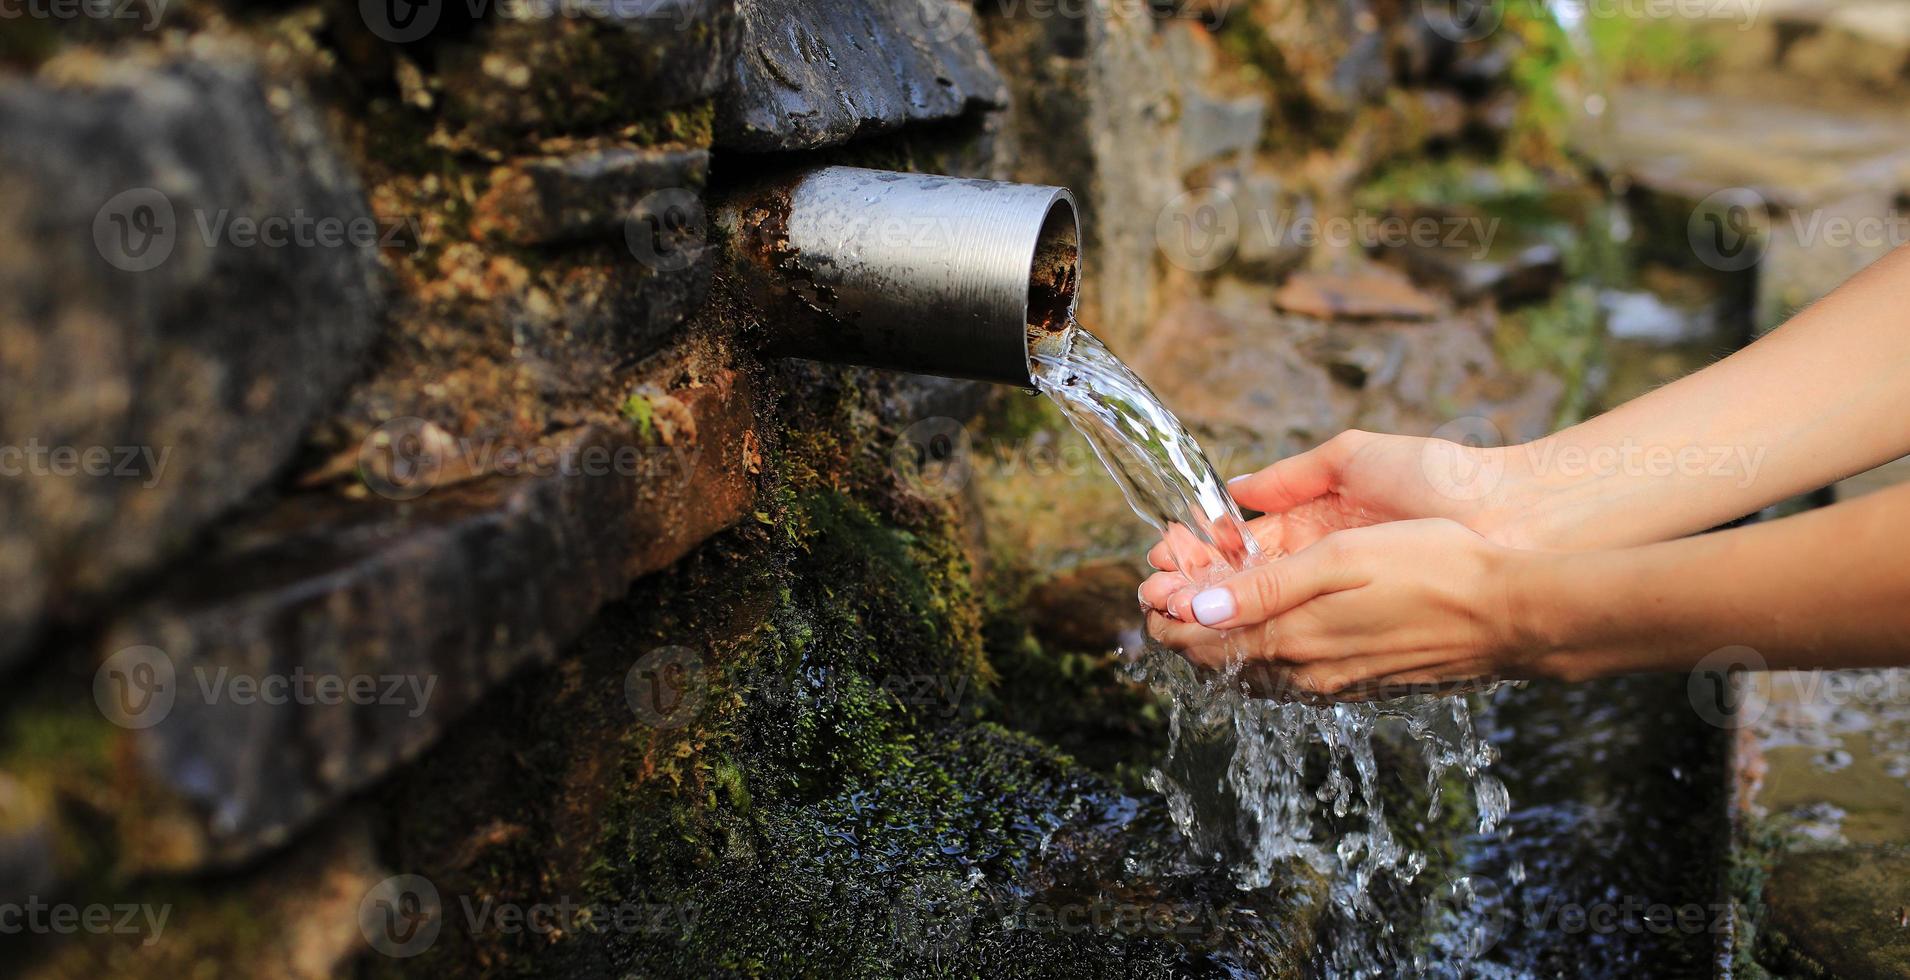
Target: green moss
column 638, row 411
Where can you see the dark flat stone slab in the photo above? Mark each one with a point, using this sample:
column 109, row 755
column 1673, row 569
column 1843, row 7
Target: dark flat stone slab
column 188, row 274
column 414, row 608
column 809, row 75
column 1844, row 910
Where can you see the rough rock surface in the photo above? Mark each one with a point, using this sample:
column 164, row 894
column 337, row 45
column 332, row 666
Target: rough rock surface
column 1842, row 912
column 811, row 75
column 145, row 331
column 547, row 66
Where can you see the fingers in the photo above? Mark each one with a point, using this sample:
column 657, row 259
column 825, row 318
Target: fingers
column 1259, row 594
column 1266, row 531
column 1201, row 646
column 1181, row 550
column 1297, row 479
column 1160, row 589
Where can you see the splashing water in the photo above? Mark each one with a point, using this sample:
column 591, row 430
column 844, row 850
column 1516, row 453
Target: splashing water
column 1236, row 772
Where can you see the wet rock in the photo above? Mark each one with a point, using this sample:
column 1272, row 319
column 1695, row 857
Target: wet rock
column 1692, row 144
column 1801, row 216
column 589, row 193
column 813, row 75
column 1241, row 374
column 1213, row 129
column 1274, row 221
column 435, row 596
column 1471, row 257
column 189, row 275
column 1088, row 607
column 1372, row 294
column 1842, row 911
column 568, row 67
column 307, row 916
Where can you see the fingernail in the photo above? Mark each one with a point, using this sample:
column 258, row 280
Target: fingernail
column 1214, row 606
column 1236, row 479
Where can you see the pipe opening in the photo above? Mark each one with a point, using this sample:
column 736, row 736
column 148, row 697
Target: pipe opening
column 1055, row 273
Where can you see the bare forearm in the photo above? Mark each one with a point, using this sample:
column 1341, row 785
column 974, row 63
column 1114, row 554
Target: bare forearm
column 1823, row 589
column 1819, row 399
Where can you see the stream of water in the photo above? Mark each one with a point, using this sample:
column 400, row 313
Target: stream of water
column 1254, row 781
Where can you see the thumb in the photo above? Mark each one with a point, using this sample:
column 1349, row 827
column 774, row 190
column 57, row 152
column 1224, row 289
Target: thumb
column 1297, row 479
column 1259, row 594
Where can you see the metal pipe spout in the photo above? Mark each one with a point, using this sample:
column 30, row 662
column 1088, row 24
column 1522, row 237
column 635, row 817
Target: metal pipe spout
column 935, row 275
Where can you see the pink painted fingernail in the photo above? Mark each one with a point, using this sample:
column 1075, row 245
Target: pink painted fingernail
column 1214, row 606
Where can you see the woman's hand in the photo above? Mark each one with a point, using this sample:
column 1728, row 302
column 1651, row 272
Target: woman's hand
column 1358, row 479
column 1368, row 611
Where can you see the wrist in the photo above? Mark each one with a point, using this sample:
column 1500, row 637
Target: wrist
column 1515, row 513
column 1547, row 635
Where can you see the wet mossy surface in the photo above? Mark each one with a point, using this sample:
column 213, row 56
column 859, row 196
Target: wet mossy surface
column 820, row 789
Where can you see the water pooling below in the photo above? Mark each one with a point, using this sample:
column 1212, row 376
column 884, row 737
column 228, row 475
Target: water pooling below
column 1254, row 782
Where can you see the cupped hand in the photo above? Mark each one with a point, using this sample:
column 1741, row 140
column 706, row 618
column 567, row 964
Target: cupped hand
column 1411, row 605
column 1357, row 479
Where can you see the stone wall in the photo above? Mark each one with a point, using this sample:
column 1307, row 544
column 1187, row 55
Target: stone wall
column 423, row 574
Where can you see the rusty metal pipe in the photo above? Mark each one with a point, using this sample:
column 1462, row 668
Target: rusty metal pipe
column 936, row 275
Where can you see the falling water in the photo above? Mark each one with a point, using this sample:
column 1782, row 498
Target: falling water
column 1236, row 772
